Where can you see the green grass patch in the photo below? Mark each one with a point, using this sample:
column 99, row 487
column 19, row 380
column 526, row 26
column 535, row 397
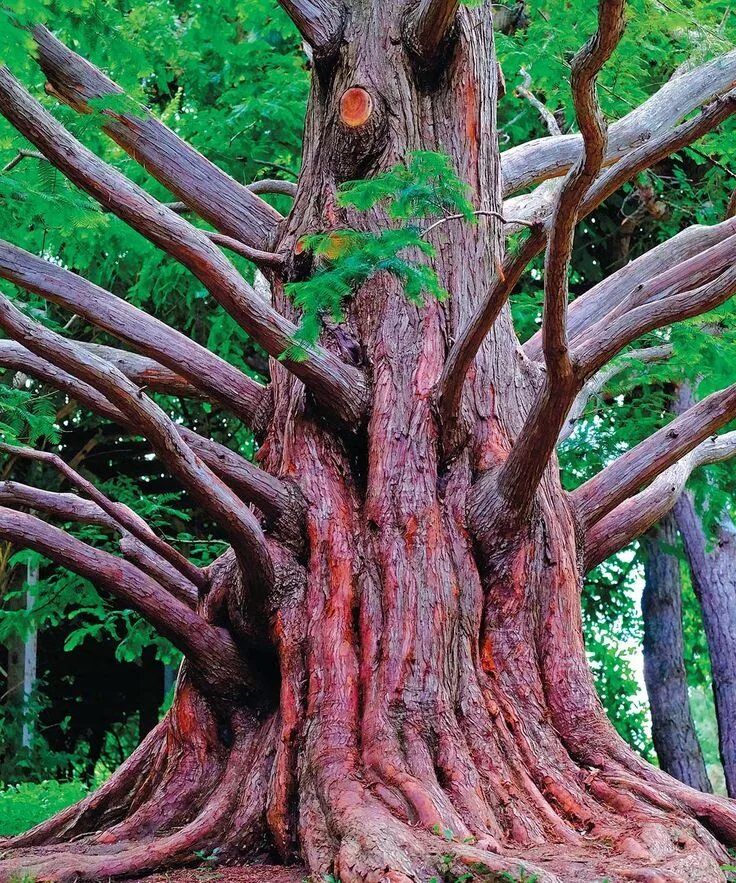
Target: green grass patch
column 25, row 805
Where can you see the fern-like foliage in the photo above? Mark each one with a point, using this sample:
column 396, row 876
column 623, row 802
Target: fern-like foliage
column 425, row 186
column 26, row 418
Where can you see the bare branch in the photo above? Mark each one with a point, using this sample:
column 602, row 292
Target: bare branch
column 635, row 516
column 216, row 498
column 274, row 498
column 70, row 507
column 230, row 207
column 596, row 383
column 544, row 158
column 124, row 516
column 643, row 463
column 520, row 475
column 427, row 26
column 320, row 22
column 145, row 372
column 219, row 380
column 340, row 388
column 273, row 185
column 536, row 206
column 547, row 116
column 604, row 297
column 466, row 347
column 210, row 649
column 609, row 336
column 20, row 156
column 262, row 259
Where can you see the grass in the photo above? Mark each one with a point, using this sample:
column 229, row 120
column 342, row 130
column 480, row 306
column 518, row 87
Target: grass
column 25, row 805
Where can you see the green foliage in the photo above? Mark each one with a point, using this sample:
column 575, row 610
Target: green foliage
column 26, row 418
column 425, row 186
column 25, row 805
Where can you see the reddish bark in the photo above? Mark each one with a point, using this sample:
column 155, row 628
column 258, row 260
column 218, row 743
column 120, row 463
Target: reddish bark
column 418, row 662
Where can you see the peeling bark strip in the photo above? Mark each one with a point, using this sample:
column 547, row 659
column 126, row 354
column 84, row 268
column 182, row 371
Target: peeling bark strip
column 409, row 606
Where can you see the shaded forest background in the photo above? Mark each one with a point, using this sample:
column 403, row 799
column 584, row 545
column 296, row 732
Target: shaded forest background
column 232, row 78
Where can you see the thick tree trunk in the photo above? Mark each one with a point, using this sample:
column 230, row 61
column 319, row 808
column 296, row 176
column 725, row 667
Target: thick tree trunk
column 713, row 570
column 420, row 704
column 673, row 729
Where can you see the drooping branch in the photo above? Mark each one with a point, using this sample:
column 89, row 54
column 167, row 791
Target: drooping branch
column 469, row 341
column 340, row 388
column 123, row 515
column 544, row 158
column 320, row 22
column 635, row 516
column 278, row 501
column 230, row 207
column 520, row 475
column 220, row 381
column 643, row 463
column 427, row 26
column 210, row 649
column 70, row 507
column 608, row 294
column 216, row 498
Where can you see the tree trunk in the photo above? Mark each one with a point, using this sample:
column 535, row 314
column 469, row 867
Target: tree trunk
column 713, row 572
column 22, row 664
column 421, row 705
column 673, row 730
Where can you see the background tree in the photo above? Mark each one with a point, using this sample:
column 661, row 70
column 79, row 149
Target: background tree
column 384, row 508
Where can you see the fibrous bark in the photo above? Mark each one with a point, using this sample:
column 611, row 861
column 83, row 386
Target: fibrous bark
column 714, row 580
column 387, row 678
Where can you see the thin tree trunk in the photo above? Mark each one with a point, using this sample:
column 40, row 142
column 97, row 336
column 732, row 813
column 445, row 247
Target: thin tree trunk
column 673, row 729
column 713, row 570
column 22, row 662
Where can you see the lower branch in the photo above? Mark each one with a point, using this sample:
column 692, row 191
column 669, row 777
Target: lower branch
column 70, row 507
column 210, row 649
column 118, row 512
column 643, row 463
column 635, row 516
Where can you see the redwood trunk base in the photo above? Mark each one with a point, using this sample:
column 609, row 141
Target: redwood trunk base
column 465, row 791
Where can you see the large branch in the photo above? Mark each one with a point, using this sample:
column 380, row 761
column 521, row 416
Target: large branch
column 216, row 498
column 146, row 373
column 277, row 500
column 596, row 383
column 230, row 207
column 643, row 463
column 647, row 270
column 544, row 158
column 210, row 648
column 520, row 475
column 320, row 22
column 340, row 388
column 609, row 336
column 465, row 348
column 635, row 516
column 70, row 507
column 219, row 380
column 537, row 206
column 123, row 515
column 427, row 26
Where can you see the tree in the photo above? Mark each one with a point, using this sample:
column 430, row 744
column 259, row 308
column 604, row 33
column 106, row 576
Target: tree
column 385, row 674
column 673, row 729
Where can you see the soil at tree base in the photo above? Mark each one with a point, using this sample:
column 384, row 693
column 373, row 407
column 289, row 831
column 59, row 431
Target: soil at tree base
column 248, row 874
